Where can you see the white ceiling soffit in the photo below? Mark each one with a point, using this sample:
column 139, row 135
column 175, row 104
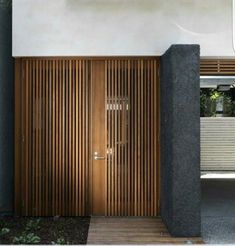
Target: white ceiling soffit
column 214, row 81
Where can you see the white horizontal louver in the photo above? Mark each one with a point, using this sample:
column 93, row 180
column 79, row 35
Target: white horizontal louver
column 217, row 143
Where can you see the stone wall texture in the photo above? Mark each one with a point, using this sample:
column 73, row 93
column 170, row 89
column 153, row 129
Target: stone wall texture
column 180, row 140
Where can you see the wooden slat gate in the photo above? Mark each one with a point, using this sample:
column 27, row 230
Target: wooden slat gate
column 58, row 107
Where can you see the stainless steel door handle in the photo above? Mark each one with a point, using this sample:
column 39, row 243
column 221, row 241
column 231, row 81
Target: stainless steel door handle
column 99, row 158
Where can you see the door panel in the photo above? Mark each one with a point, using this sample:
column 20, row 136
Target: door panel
column 55, row 134
column 132, row 138
column 98, row 138
column 87, row 137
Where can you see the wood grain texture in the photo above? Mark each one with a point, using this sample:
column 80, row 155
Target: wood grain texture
column 69, row 108
column 53, row 124
column 121, row 230
column 217, row 67
column 98, row 138
column 132, row 138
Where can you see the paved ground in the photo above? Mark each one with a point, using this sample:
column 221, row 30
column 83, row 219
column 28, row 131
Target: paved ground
column 218, row 211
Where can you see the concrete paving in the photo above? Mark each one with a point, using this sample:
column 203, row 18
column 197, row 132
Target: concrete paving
column 218, row 211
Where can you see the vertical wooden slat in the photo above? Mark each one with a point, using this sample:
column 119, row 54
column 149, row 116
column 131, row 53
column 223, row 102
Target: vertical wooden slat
column 56, row 139
column 108, row 143
column 80, row 134
column 43, row 121
column 34, row 138
column 63, row 136
column 30, row 139
column 118, row 140
column 60, row 86
column 129, row 152
column 76, row 136
column 133, row 145
column 155, row 136
column 23, row 145
column 53, row 113
column 66, row 198
column 87, row 143
column 40, row 181
column 142, row 137
column 83, row 132
column 112, row 135
column 25, row 142
column 148, row 189
column 46, row 138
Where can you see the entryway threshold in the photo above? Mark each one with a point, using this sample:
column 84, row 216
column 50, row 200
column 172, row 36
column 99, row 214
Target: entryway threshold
column 132, row 230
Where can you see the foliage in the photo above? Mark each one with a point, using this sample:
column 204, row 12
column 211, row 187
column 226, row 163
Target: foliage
column 215, row 95
column 233, row 107
column 33, row 225
column 207, row 102
column 60, row 241
column 27, row 238
column 4, row 231
column 203, row 100
column 209, row 99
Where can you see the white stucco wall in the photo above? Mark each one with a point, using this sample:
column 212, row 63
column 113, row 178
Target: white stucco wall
column 120, row 27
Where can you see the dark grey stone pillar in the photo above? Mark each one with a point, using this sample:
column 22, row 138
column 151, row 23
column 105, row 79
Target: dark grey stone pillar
column 180, row 140
column 6, row 110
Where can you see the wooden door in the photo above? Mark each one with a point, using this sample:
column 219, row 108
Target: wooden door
column 98, row 172
column 125, row 137
column 87, row 137
column 132, row 110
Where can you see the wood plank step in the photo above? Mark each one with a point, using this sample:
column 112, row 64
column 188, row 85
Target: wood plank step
column 132, row 230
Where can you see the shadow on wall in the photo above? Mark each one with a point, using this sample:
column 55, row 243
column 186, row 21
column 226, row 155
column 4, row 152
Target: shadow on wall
column 6, row 109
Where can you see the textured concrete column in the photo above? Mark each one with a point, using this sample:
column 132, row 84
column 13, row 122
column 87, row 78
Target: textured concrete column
column 180, row 140
column 6, row 110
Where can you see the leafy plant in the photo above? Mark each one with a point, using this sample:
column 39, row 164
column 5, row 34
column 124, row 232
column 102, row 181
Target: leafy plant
column 215, row 95
column 4, row 231
column 233, row 108
column 33, row 225
column 25, row 238
column 207, row 105
column 60, row 241
column 228, row 105
column 203, row 104
column 209, row 99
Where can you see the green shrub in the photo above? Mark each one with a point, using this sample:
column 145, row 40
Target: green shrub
column 25, row 238
column 4, row 231
column 60, row 241
column 33, row 225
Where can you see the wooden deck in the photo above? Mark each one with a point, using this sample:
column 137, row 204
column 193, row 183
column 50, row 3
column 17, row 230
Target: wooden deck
column 132, row 230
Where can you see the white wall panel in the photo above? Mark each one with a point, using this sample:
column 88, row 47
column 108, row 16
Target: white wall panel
column 120, row 27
